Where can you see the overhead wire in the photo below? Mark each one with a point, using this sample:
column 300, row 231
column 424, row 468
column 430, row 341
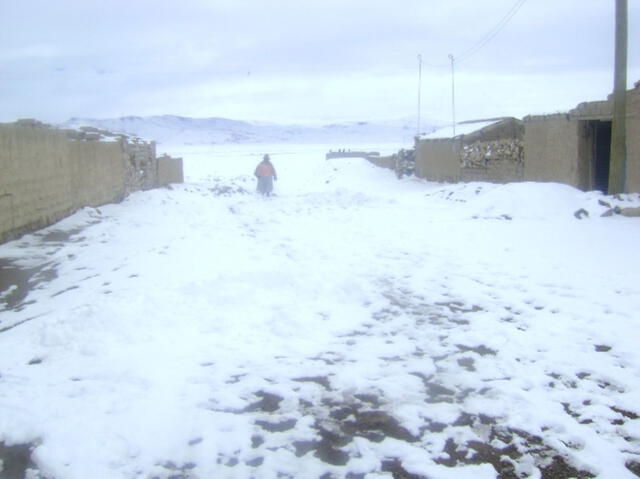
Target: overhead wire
column 491, row 34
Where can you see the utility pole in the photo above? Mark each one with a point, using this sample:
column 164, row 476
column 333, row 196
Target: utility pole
column 618, row 163
column 419, row 92
column 453, row 95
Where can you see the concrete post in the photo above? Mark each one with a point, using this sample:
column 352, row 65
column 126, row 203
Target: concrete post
column 618, row 165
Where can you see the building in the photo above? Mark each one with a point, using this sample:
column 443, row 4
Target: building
column 574, row 148
column 483, row 150
column 571, row 148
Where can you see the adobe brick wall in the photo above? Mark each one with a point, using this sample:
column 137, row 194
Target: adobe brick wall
column 633, row 140
column 439, row 160
column 169, row 170
column 551, row 145
column 48, row 173
column 46, row 176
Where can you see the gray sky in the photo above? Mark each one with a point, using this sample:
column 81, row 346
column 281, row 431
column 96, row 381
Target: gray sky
column 304, row 61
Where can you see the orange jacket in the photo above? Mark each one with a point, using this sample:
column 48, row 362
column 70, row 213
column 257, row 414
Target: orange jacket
column 265, row 169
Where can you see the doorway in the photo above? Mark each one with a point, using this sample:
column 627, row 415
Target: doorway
column 601, row 155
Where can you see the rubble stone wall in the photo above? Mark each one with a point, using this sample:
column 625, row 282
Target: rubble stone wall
column 559, row 147
column 388, row 162
column 498, row 161
column 141, row 167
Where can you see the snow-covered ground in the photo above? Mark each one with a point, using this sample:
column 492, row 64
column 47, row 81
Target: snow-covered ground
column 352, row 326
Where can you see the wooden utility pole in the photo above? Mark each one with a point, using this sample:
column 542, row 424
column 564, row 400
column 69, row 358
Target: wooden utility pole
column 618, row 164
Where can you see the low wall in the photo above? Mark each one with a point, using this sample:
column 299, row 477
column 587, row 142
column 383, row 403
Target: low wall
column 561, row 147
column 438, row 160
column 48, row 173
column 388, row 162
column 169, row 170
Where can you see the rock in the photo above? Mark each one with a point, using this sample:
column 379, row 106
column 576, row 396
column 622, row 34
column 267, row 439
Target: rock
column 581, row 213
column 616, row 210
column 630, row 212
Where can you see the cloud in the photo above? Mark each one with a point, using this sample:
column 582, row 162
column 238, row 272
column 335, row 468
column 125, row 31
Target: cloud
column 304, row 61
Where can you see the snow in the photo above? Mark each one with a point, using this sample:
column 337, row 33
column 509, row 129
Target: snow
column 461, row 129
column 350, row 324
column 172, row 130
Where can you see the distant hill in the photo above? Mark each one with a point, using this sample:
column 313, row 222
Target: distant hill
column 172, row 130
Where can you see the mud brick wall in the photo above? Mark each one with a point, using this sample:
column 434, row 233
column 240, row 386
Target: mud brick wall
column 96, row 173
column 45, row 176
column 169, row 170
column 438, row 160
column 552, row 149
column 48, row 173
column 383, row 161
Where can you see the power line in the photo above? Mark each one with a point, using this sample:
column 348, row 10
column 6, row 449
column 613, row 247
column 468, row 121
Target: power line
column 491, row 34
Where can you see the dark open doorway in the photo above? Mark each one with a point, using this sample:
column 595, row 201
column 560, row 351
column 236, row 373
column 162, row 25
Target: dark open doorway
column 601, row 155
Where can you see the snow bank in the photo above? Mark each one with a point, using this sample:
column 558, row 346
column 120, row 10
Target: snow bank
column 530, row 201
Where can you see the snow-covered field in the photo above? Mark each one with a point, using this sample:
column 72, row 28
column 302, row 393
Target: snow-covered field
column 352, row 326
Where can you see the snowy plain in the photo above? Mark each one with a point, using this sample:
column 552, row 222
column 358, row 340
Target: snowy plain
column 353, row 325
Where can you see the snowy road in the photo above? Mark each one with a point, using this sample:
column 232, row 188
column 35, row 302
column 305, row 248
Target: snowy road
column 352, row 326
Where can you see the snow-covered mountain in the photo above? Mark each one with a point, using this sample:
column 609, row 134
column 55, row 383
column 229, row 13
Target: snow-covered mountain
column 171, row 129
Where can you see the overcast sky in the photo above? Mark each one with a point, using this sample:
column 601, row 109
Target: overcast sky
column 305, row 61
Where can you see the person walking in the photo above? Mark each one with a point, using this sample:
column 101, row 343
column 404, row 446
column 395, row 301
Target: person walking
column 266, row 174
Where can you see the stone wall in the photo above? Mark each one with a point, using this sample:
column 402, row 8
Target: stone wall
column 141, row 167
column 383, row 161
column 46, row 176
column 554, row 148
column 497, row 161
column 49, row 173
